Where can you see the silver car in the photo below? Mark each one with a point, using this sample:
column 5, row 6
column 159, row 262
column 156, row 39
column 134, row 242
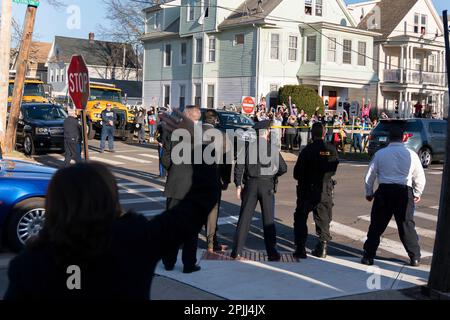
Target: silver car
column 426, row 137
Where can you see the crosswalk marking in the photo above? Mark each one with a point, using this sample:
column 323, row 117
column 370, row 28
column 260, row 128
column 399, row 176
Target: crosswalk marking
column 133, row 159
column 436, row 173
column 140, row 190
column 143, row 200
column 435, row 207
column 126, row 184
column 231, row 220
column 388, row 245
column 107, row 161
column 425, row 216
column 151, row 213
column 149, row 156
column 420, row 231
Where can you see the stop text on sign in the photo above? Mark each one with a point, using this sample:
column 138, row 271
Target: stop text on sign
column 78, row 82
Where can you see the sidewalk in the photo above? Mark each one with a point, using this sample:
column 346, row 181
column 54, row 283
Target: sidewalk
column 338, row 278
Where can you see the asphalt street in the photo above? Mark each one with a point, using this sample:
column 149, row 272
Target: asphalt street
column 141, row 190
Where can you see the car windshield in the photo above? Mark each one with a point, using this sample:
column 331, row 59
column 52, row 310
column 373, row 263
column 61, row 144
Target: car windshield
column 46, row 112
column 409, row 126
column 33, row 89
column 235, row 119
column 104, row 94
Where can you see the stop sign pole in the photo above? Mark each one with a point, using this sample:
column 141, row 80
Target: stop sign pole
column 78, row 79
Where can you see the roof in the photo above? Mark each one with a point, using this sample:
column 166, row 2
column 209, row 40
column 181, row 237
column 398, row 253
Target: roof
column 248, row 12
column 95, row 53
column 132, row 89
column 39, row 52
column 391, row 14
column 171, row 31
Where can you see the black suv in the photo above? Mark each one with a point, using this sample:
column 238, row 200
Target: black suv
column 41, row 128
column 426, row 137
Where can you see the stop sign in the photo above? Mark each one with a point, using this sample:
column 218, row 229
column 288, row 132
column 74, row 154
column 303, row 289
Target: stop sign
column 248, row 105
column 78, row 78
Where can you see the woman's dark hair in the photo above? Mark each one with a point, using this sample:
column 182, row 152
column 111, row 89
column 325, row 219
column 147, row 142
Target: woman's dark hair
column 81, row 205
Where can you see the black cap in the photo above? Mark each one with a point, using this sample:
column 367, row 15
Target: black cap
column 261, row 125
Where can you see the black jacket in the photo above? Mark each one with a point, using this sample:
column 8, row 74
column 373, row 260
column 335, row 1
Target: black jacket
column 315, row 167
column 72, row 129
column 126, row 270
column 242, row 172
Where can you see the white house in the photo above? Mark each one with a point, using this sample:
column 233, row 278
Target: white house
column 409, row 53
column 213, row 52
column 105, row 60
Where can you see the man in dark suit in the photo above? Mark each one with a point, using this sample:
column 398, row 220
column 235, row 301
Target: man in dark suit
column 72, row 138
column 178, row 184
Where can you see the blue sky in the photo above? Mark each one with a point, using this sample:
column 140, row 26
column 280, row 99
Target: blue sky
column 51, row 22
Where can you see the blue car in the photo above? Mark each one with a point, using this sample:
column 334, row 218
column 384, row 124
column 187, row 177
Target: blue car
column 23, row 186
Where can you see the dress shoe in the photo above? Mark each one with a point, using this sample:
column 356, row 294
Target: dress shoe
column 191, row 269
column 300, row 254
column 169, row 268
column 368, row 261
column 414, row 262
column 321, row 250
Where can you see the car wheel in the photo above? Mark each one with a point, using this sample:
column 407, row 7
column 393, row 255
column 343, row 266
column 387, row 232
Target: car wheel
column 28, row 146
column 26, row 220
column 425, row 157
column 91, row 131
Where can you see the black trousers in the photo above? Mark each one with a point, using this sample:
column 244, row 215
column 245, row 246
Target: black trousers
column 398, row 201
column 322, row 213
column 71, row 152
column 189, row 254
column 211, row 225
column 257, row 190
column 290, row 141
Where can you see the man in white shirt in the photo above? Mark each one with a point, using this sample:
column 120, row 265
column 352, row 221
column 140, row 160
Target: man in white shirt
column 401, row 181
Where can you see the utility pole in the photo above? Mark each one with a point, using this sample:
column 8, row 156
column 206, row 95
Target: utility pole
column 21, row 70
column 5, row 48
column 439, row 280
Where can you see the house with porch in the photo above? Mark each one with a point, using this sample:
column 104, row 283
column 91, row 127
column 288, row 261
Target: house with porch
column 409, row 53
column 214, row 52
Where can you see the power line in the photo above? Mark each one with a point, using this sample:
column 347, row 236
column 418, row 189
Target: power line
column 281, row 19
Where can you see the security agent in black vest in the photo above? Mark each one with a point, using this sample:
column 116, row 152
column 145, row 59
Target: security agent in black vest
column 72, row 138
column 315, row 167
column 259, row 181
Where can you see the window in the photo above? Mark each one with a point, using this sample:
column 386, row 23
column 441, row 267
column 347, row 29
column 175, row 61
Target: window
column 198, row 95
column 182, row 101
column 183, row 53
column 347, row 55
column 62, row 75
column 332, row 49
column 210, row 102
column 167, row 55
column 311, row 43
column 238, row 39
column 57, row 75
column 419, row 61
column 416, row 22
column 199, row 50
column 423, row 28
column 157, row 21
column 52, row 76
column 206, row 8
column 319, row 7
column 308, row 7
column 190, row 10
column 274, row 46
column 293, row 45
column 432, row 63
column 166, row 95
column 362, row 49
column 212, row 49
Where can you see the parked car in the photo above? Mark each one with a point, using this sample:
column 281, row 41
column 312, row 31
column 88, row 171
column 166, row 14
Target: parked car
column 41, row 128
column 23, row 187
column 426, row 137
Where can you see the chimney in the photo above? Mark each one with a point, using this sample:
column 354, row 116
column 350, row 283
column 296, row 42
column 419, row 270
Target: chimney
column 91, row 37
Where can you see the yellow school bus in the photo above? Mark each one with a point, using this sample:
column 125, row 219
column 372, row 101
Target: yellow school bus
column 100, row 95
column 33, row 91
